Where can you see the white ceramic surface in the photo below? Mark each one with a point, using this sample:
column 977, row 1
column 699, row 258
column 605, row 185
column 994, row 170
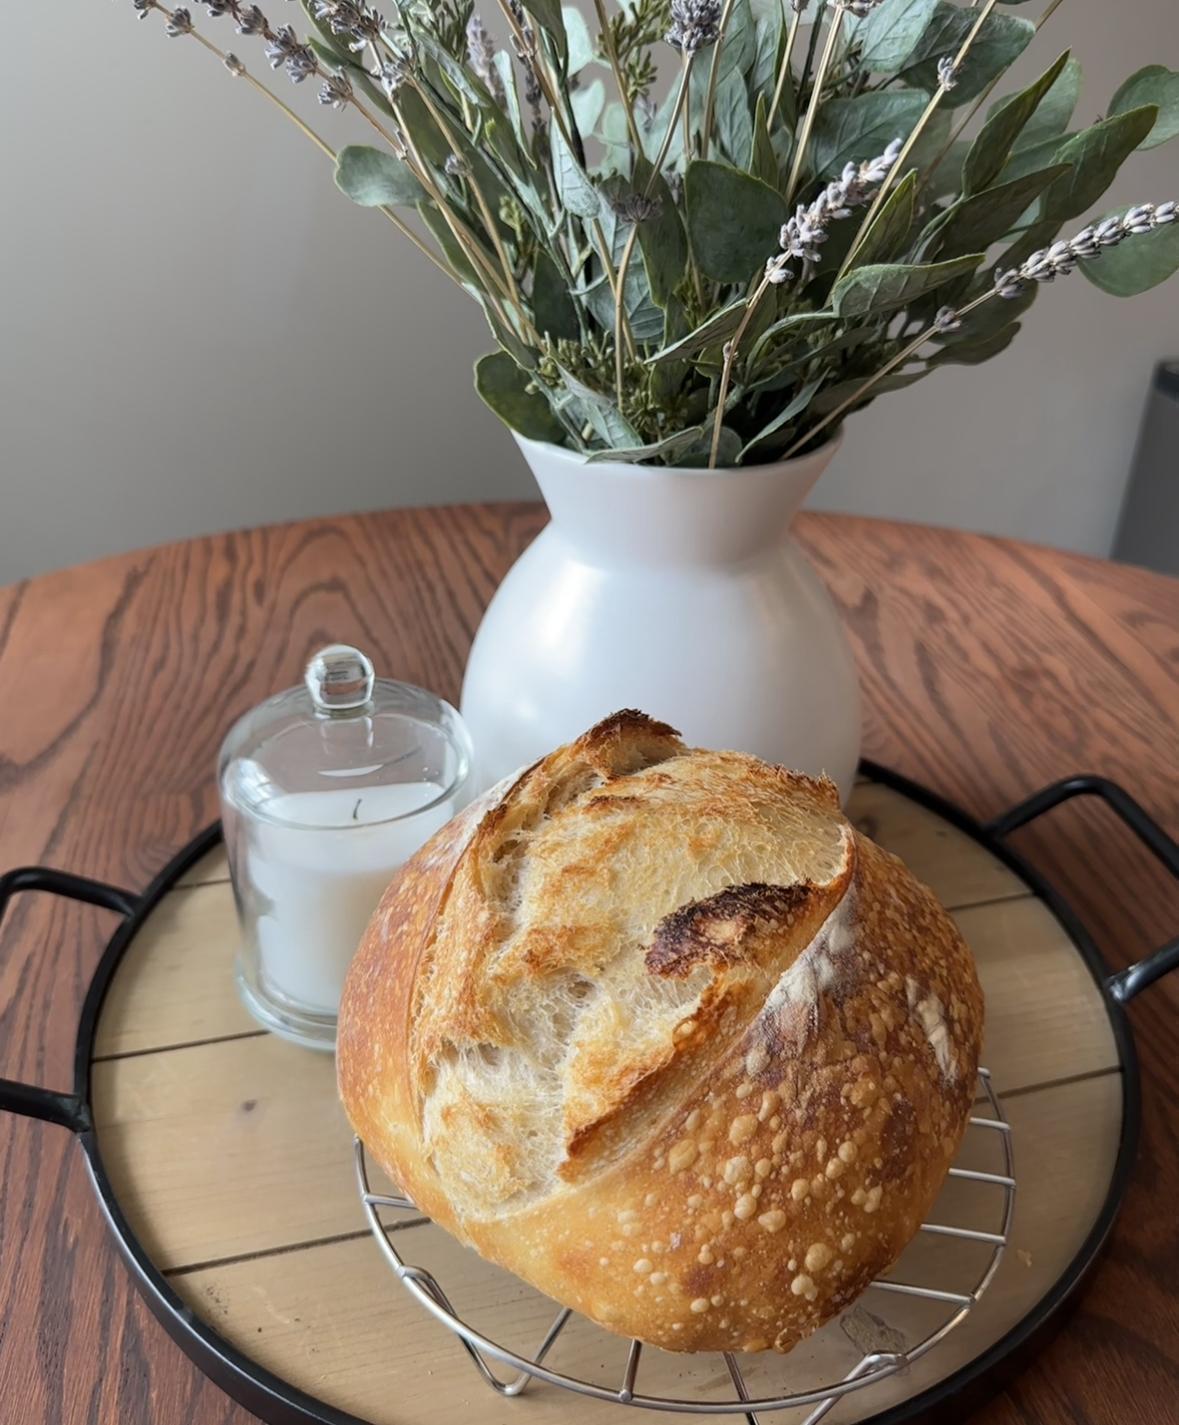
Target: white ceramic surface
column 679, row 592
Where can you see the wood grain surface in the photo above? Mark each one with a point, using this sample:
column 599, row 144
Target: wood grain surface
column 988, row 668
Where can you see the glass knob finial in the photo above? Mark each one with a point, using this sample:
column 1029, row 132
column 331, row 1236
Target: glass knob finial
column 339, row 677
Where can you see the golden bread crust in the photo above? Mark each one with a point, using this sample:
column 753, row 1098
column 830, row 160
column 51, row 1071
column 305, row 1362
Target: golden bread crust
column 657, row 1030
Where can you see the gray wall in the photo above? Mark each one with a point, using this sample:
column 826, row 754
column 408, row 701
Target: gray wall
column 200, row 333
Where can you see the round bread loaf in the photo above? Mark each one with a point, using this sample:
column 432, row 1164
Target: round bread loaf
column 657, row 1030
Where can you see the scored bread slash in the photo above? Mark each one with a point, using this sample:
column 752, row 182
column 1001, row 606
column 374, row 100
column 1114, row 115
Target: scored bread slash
column 659, row 1031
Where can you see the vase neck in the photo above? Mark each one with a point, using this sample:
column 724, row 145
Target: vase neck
column 615, row 513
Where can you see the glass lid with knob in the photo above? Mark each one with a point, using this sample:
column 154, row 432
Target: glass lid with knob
column 326, row 789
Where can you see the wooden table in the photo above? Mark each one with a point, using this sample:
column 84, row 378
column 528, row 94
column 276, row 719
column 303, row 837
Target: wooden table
column 988, row 667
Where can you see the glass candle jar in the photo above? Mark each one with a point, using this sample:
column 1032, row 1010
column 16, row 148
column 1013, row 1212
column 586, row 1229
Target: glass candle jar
column 325, row 790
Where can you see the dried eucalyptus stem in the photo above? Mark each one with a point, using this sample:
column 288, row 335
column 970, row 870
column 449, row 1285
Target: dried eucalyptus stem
column 713, row 74
column 608, row 45
column 681, row 95
column 633, row 208
column 948, row 71
column 812, row 109
column 797, row 7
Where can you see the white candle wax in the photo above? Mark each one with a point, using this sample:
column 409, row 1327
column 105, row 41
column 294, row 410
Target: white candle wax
column 317, row 882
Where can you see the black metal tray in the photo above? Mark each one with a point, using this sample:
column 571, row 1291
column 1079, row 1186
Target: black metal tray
column 278, row 1402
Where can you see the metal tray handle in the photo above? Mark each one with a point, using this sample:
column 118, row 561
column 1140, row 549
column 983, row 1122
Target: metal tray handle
column 47, row 1104
column 1125, row 984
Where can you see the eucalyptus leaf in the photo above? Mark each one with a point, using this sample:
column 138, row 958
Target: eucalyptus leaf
column 547, row 14
column 998, row 136
column 1095, row 155
column 464, row 84
column 1031, row 158
column 427, row 137
column 738, row 49
column 975, row 352
column 609, row 424
column 577, row 38
column 717, row 328
column 667, row 449
column 452, row 249
column 892, row 32
column 733, row 220
column 573, row 184
column 1138, row 264
column 663, row 243
column 763, row 162
column 946, row 180
column 833, row 396
column 802, row 323
column 793, row 408
column 728, row 451
column 733, row 125
column 763, row 74
column 507, row 74
column 999, row 43
column 553, row 309
column 507, row 391
column 644, row 318
column 973, row 224
column 868, row 291
column 587, row 104
column 375, row 178
column 1055, row 111
column 1157, row 85
column 855, row 130
column 889, row 233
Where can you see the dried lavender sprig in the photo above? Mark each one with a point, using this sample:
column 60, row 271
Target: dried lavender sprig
column 336, row 90
column 355, row 20
column 695, row 24
column 1061, row 257
column 947, row 72
column 802, row 236
column 238, row 70
column 286, row 51
column 524, row 45
column 1043, row 266
column 797, row 6
column 481, row 53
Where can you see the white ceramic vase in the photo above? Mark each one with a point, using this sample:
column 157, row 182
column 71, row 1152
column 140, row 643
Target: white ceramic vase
column 676, row 591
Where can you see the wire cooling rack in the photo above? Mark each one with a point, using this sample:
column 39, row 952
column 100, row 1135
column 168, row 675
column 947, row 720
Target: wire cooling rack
column 873, row 1367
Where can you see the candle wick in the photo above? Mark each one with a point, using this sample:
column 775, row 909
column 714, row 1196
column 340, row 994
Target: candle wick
column 356, row 809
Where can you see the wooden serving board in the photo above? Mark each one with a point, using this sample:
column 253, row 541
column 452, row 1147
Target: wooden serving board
column 233, row 1161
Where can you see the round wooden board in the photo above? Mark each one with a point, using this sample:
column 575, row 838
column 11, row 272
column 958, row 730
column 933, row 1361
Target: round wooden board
column 233, row 1162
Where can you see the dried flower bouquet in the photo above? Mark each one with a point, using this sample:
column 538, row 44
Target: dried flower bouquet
column 821, row 207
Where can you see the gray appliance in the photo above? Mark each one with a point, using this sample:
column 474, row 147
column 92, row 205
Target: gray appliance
column 1148, row 531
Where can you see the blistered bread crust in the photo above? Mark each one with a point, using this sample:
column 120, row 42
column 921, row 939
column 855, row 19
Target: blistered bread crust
column 657, row 1030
